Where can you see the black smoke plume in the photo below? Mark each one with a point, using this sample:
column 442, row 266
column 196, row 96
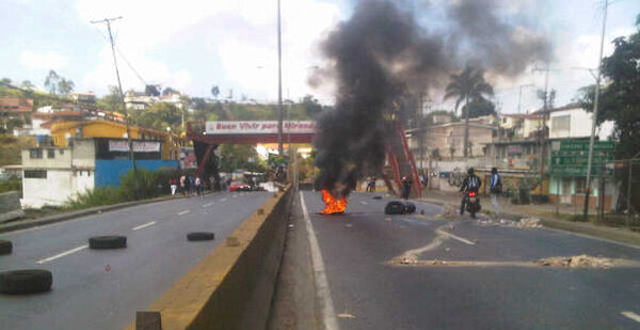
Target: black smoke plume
column 380, row 55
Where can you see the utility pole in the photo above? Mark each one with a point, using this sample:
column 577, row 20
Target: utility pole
column 124, row 106
column 595, row 115
column 520, row 96
column 542, row 135
column 419, row 116
column 280, row 110
column 466, row 125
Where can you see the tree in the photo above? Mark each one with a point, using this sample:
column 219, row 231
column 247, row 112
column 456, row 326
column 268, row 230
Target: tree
column 5, row 81
column 159, row 116
column 311, row 106
column 65, row 86
column 467, row 86
column 550, row 100
column 152, row 90
column 215, row 91
column 169, row 91
column 620, row 98
column 27, row 85
column 239, row 156
column 111, row 101
column 51, row 82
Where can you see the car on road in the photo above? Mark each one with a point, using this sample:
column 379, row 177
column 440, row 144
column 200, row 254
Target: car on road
column 239, row 186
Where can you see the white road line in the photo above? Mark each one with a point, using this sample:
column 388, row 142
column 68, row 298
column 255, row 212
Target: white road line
column 184, row 212
column 207, row 205
column 631, row 315
column 145, row 225
column 65, row 253
column 235, row 196
column 363, row 203
column 224, row 199
column 463, row 240
column 322, row 285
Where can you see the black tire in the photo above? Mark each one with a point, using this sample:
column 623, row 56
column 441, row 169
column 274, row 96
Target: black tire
column 394, row 207
column 25, row 281
column 200, row 236
column 107, row 242
column 473, row 214
column 6, row 247
column 409, row 208
column 377, row 197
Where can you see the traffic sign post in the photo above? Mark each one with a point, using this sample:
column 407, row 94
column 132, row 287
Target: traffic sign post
column 570, row 158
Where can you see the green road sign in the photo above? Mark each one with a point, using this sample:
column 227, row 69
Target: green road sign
column 571, row 158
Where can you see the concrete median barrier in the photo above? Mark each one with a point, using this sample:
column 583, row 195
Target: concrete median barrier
column 233, row 286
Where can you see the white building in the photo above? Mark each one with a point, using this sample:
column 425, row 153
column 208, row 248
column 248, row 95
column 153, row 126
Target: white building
column 51, row 175
column 572, row 121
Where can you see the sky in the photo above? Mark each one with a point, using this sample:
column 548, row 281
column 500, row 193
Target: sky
column 191, row 45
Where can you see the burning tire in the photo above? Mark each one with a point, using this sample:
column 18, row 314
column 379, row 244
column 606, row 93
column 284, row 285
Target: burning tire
column 200, row 236
column 107, row 242
column 6, row 247
column 394, row 208
column 409, row 208
column 25, row 281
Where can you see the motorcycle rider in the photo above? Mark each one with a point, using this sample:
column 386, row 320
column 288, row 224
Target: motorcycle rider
column 471, row 183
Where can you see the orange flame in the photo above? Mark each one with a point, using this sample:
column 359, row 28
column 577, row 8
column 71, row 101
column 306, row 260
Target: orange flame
column 333, row 205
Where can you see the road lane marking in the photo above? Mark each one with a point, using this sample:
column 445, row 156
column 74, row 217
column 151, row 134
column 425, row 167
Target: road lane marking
column 463, row 240
column 631, row 315
column 208, row 204
column 184, row 212
column 363, row 203
column 65, row 253
column 224, row 199
column 235, row 196
column 145, row 225
column 322, row 285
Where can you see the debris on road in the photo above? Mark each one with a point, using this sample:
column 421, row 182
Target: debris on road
column 581, row 261
column 449, row 211
column 524, row 223
column 387, row 219
column 348, row 225
column 408, row 260
column 346, row 316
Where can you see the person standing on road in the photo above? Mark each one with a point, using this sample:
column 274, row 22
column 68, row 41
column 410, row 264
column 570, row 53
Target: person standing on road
column 470, row 183
column 406, row 187
column 496, row 189
column 174, row 186
column 198, row 186
column 183, row 182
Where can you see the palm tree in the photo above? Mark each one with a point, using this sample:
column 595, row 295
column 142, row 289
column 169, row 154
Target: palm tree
column 468, row 85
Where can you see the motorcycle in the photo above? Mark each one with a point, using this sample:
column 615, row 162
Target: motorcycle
column 472, row 203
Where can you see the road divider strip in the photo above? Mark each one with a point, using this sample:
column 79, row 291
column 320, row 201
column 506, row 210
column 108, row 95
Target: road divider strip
column 233, row 286
column 184, row 212
column 148, row 224
column 631, row 315
column 60, row 255
column 322, row 284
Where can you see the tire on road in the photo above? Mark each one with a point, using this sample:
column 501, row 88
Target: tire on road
column 377, row 197
column 6, row 247
column 25, row 281
column 394, row 207
column 200, row 236
column 409, row 208
column 107, row 242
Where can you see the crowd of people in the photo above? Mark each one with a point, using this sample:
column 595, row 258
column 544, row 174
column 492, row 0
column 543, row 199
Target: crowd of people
column 188, row 185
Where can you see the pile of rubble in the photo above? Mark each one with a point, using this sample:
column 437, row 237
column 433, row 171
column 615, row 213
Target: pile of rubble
column 581, row 261
column 523, row 223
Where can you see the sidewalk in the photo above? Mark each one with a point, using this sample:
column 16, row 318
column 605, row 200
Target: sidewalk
column 545, row 212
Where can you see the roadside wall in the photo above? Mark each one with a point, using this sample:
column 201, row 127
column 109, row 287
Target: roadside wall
column 232, row 287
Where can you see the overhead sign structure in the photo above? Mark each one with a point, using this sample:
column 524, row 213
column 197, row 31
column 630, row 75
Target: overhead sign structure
column 570, row 158
column 259, row 127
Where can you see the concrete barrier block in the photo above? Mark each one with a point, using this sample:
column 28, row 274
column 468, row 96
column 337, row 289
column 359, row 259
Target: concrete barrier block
column 10, row 206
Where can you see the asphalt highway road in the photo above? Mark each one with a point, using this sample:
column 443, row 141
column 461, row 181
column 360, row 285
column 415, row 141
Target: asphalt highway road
column 366, row 292
column 102, row 289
